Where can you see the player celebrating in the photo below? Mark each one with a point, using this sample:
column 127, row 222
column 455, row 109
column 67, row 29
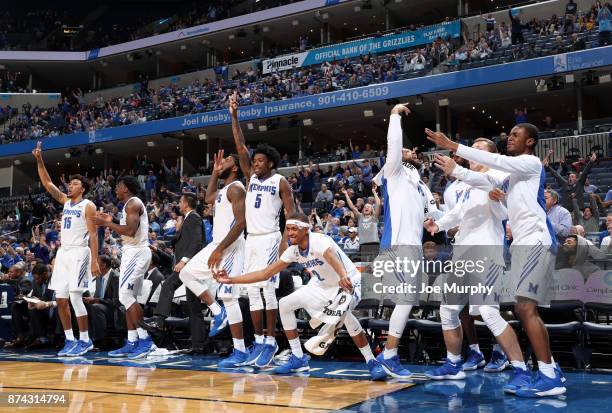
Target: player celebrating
column 480, row 237
column 533, row 247
column 330, row 268
column 225, row 251
column 135, row 258
column 74, row 262
column 266, row 195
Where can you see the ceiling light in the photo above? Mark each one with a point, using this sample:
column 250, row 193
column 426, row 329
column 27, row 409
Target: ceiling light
column 203, row 137
column 99, row 151
column 307, row 122
column 368, row 113
column 150, row 144
column 263, row 128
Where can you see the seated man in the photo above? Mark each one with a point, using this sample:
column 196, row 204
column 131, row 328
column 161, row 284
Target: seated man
column 102, row 307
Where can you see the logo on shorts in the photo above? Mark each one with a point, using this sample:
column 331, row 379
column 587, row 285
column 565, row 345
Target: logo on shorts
column 130, row 287
column 533, row 288
column 227, row 289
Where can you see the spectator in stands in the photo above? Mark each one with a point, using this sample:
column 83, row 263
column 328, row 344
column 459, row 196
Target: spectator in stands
column 520, row 115
column 351, row 244
column 604, row 19
column 103, row 306
column 306, row 182
column 367, row 221
column 606, row 242
column 589, row 188
column 589, row 218
column 559, row 217
column 575, row 254
column 517, row 26
column 502, row 143
column 40, row 248
column 9, row 255
column 324, row 195
column 548, row 124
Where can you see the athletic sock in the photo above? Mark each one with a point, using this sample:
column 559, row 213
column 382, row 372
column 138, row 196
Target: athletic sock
column 296, row 347
column 475, row 347
column 215, row 308
column 366, row 351
column 69, row 335
column 453, row 358
column 270, row 340
column 518, row 364
column 498, row 348
column 142, row 333
column 390, row 353
column 132, row 335
column 547, row 369
column 239, row 344
column 259, row 339
column 84, row 336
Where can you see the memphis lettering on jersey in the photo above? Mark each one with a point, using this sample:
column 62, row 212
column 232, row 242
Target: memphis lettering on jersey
column 255, row 187
column 72, row 212
column 313, row 263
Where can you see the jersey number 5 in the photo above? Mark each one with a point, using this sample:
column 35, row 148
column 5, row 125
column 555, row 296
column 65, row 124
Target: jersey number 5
column 67, row 222
column 258, row 201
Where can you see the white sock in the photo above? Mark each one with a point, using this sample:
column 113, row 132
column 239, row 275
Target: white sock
column 389, row 353
column 69, row 335
column 239, row 344
column 270, row 340
column 453, row 358
column 142, row 333
column 498, row 348
column 132, row 335
column 366, row 351
column 84, row 336
column 475, row 347
column 215, row 308
column 296, row 347
column 518, row 364
column 259, row 339
column 547, row 369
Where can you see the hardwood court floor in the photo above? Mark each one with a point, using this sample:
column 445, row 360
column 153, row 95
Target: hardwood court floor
column 101, row 389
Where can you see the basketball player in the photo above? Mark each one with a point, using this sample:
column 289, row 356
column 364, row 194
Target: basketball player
column 533, row 247
column 225, row 251
column 330, row 268
column 74, row 262
column 135, row 258
column 407, row 201
column 480, row 237
column 267, row 194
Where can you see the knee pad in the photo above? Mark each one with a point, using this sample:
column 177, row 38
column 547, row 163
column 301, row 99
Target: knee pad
column 234, row 314
column 127, row 299
column 77, row 303
column 270, row 298
column 287, row 313
column 255, row 301
column 449, row 315
column 492, row 318
column 352, row 325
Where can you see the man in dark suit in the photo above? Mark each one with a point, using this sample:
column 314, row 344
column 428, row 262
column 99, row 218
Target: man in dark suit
column 103, row 307
column 156, row 277
column 187, row 243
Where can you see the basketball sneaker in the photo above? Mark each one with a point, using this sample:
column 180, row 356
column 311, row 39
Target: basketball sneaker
column 498, row 363
column 521, row 378
column 543, row 386
column 234, row 360
column 81, row 348
column 447, row 371
column 267, row 354
column 218, row 323
column 144, row 347
column 294, row 365
column 254, row 351
column 68, row 345
column 376, row 370
column 474, row 361
column 124, row 351
column 393, row 367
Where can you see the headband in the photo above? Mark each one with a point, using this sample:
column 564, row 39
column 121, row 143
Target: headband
column 297, row 223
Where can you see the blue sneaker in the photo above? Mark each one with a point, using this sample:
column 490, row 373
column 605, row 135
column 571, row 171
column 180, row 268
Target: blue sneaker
column 558, row 368
column 376, row 370
column 474, row 361
column 521, row 379
column 124, row 351
column 144, row 347
column 447, row 371
column 498, row 363
column 267, row 354
column 542, row 386
column 218, row 323
column 393, row 367
column 234, row 360
column 293, row 365
column 254, row 351
column 81, row 348
column 68, row 345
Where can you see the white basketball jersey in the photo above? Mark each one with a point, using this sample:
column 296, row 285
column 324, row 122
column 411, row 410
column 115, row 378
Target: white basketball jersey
column 74, row 225
column 263, row 205
column 312, row 259
column 223, row 219
column 141, row 238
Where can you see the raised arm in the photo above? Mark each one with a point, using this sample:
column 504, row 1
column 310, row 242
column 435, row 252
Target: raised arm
column 236, row 195
column 45, row 179
column 132, row 220
column 393, row 164
column 479, row 180
column 376, row 200
column 350, row 204
column 241, row 148
column 213, row 183
column 585, row 172
column 90, row 216
column 578, row 218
